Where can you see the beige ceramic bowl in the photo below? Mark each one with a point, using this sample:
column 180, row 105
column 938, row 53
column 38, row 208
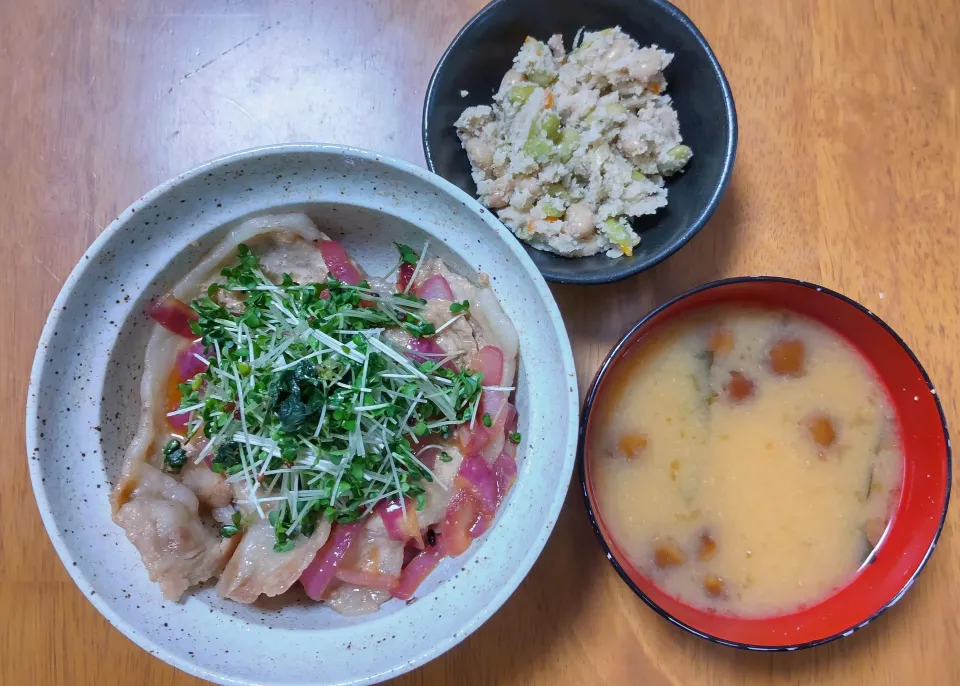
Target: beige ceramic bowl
column 83, row 404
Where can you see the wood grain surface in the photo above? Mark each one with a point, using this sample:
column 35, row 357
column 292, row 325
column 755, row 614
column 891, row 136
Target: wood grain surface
column 848, row 174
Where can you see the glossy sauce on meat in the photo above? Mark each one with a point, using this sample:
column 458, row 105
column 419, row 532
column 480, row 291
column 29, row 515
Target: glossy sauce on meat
column 746, row 461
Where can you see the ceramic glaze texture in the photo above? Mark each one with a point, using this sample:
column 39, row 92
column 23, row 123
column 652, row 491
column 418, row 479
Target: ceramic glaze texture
column 83, row 404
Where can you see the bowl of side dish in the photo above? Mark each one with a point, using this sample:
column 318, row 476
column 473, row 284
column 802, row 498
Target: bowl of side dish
column 270, row 365
column 765, row 463
column 596, row 110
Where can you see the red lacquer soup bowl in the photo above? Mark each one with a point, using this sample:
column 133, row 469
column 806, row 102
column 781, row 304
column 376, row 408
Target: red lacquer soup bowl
column 917, row 518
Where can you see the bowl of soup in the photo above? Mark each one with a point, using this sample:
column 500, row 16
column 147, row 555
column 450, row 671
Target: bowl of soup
column 765, row 463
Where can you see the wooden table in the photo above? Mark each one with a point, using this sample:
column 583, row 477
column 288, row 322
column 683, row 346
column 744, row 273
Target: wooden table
column 848, row 174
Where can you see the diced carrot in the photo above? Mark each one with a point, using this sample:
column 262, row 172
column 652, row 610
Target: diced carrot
column 822, row 431
column 707, row 547
column 721, row 341
column 787, row 357
column 548, row 100
column 714, row 586
column 654, row 87
column 667, row 554
column 739, row 387
column 632, row 444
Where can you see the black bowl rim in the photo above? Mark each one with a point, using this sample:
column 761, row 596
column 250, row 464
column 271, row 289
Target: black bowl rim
column 688, row 233
column 627, row 340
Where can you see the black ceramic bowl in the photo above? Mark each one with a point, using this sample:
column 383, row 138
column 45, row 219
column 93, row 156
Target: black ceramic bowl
column 482, row 53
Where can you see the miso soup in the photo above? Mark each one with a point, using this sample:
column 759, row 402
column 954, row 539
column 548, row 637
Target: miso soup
column 747, row 461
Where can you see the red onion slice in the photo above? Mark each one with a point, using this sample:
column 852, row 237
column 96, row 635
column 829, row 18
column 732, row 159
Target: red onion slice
column 488, row 361
column 461, row 516
column 423, row 349
column 480, row 526
column 434, row 288
column 476, row 477
column 339, row 264
column 505, row 473
column 188, row 365
column 510, row 426
column 400, row 527
column 472, row 440
column 418, row 569
column 319, row 573
column 173, row 315
column 375, row 580
column 404, row 276
column 179, row 422
column 495, row 404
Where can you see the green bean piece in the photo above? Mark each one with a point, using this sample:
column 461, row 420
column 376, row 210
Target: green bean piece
column 542, row 78
column 550, row 125
column 569, row 142
column 519, row 95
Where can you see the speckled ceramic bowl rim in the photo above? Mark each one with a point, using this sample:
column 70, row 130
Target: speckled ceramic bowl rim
column 729, row 154
column 616, row 353
column 32, row 428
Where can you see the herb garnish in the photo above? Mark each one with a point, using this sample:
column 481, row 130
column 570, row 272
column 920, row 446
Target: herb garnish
column 174, row 456
column 308, row 406
column 407, row 256
column 231, row 530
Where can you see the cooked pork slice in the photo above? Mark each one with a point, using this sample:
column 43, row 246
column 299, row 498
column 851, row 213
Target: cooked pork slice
column 161, row 518
column 256, row 569
column 211, row 489
column 441, row 490
column 375, row 554
column 290, row 253
column 457, row 338
column 353, row 600
column 251, row 232
column 489, row 324
column 493, row 327
column 398, row 338
column 381, row 286
column 284, row 252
